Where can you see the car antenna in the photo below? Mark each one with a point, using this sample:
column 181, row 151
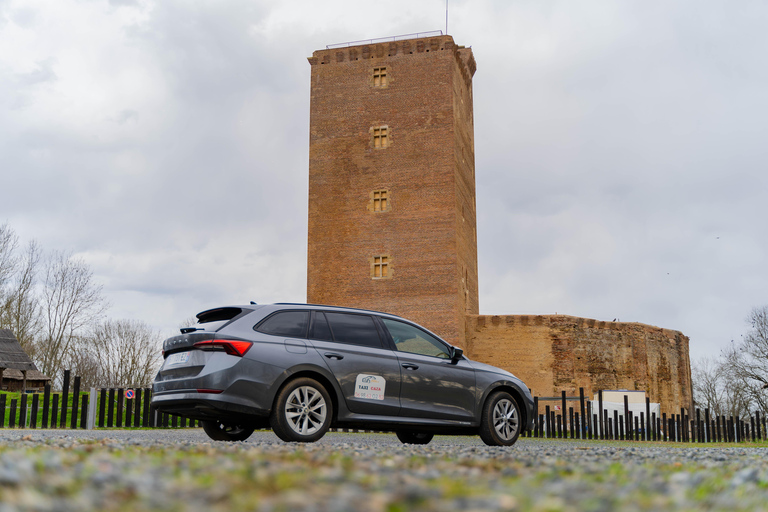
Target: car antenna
column 253, row 303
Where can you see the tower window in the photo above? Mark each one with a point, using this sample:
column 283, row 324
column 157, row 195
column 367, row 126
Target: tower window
column 381, row 267
column 380, row 137
column 379, row 77
column 380, row 200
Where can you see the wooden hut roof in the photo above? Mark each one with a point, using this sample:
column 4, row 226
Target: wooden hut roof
column 12, row 356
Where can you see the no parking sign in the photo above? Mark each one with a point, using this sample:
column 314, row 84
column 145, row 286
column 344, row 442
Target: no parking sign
column 129, row 394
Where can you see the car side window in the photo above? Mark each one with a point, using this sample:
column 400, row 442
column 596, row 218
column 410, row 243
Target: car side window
column 292, row 324
column 320, row 330
column 415, row 341
column 354, row 329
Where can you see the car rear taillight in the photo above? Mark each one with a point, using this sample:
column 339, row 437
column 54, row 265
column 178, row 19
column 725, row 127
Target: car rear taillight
column 231, row 347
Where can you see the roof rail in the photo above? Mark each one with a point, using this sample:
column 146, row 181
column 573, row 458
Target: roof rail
column 417, row 35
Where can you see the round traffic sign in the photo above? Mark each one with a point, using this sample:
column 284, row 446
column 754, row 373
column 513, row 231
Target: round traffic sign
column 129, row 393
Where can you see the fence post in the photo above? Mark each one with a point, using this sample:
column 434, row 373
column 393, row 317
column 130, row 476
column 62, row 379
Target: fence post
column 75, row 402
column 708, row 432
column 84, row 411
column 102, row 406
column 573, row 429
column 137, row 408
column 2, row 410
column 563, row 408
column 147, row 398
column 583, row 424
column 33, row 414
column 128, row 410
column 12, row 417
column 647, row 418
column 111, row 408
column 55, row 410
column 626, row 415
column 120, row 396
column 92, row 410
column 23, row 411
column 64, row 400
column 46, row 404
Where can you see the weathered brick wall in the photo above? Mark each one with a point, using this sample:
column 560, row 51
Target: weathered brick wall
column 428, row 169
column 555, row 353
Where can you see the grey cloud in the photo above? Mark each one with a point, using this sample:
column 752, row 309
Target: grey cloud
column 42, row 73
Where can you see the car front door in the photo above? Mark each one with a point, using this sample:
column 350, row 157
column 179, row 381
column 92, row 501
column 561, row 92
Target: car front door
column 432, row 385
column 367, row 372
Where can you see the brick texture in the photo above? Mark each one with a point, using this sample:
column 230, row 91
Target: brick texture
column 428, row 170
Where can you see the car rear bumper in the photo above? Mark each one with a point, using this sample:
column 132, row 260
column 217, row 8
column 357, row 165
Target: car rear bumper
column 207, row 406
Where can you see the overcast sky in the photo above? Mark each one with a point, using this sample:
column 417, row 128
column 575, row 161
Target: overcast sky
column 620, row 150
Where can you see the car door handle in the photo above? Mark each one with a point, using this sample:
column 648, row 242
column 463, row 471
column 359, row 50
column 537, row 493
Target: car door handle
column 331, row 355
column 409, row 366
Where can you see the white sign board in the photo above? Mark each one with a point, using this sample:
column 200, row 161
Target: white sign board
column 370, row 387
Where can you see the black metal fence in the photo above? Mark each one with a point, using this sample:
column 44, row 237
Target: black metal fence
column 584, row 423
column 102, row 408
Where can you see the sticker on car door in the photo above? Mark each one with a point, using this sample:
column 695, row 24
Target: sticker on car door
column 370, row 387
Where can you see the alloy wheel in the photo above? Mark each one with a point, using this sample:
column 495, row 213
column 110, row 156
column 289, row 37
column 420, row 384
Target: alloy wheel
column 305, row 410
column 505, row 419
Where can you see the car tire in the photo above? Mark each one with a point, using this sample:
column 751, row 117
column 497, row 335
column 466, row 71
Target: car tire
column 302, row 411
column 219, row 431
column 501, row 421
column 411, row 437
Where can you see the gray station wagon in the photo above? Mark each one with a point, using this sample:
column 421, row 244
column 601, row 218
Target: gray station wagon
column 301, row 369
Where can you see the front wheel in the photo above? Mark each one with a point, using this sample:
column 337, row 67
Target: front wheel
column 219, row 431
column 411, row 437
column 302, row 411
column 501, row 420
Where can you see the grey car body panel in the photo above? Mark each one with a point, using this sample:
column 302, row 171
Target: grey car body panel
column 346, row 362
column 439, row 394
column 433, row 387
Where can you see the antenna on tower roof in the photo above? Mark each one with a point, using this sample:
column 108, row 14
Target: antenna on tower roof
column 446, row 17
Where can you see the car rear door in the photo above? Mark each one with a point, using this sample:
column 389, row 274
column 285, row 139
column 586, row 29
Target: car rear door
column 432, row 385
column 367, row 372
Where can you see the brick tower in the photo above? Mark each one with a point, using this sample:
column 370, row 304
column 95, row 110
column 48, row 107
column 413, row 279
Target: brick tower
column 392, row 181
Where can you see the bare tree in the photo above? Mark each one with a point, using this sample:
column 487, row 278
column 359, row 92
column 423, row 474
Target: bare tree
column 8, row 243
column 745, row 365
column 21, row 310
column 71, row 301
column 709, row 386
column 127, row 352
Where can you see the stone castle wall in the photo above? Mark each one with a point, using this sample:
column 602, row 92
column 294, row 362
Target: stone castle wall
column 554, row 353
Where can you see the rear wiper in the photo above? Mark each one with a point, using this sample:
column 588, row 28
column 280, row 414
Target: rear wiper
column 187, row 330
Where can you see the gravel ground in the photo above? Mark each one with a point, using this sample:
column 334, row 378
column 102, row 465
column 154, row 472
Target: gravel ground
column 121, row 470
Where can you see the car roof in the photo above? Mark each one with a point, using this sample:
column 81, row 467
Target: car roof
column 277, row 305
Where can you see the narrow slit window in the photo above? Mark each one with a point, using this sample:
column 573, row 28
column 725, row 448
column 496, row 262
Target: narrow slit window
column 380, row 137
column 379, row 77
column 380, row 267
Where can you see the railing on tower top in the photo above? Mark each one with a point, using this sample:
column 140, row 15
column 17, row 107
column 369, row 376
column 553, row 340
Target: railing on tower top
column 417, row 35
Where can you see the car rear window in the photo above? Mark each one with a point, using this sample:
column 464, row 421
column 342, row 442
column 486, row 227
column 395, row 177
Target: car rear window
column 285, row 323
column 354, row 329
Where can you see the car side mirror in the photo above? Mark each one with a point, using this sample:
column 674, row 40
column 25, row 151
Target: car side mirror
column 456, row 353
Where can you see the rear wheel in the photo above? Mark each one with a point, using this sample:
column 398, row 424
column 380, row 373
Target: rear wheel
column 501, row 420
column 411, row 437
column 302, row 411
column 219, row 431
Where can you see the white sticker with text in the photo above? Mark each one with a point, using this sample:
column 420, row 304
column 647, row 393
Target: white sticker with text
column 370, row 387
